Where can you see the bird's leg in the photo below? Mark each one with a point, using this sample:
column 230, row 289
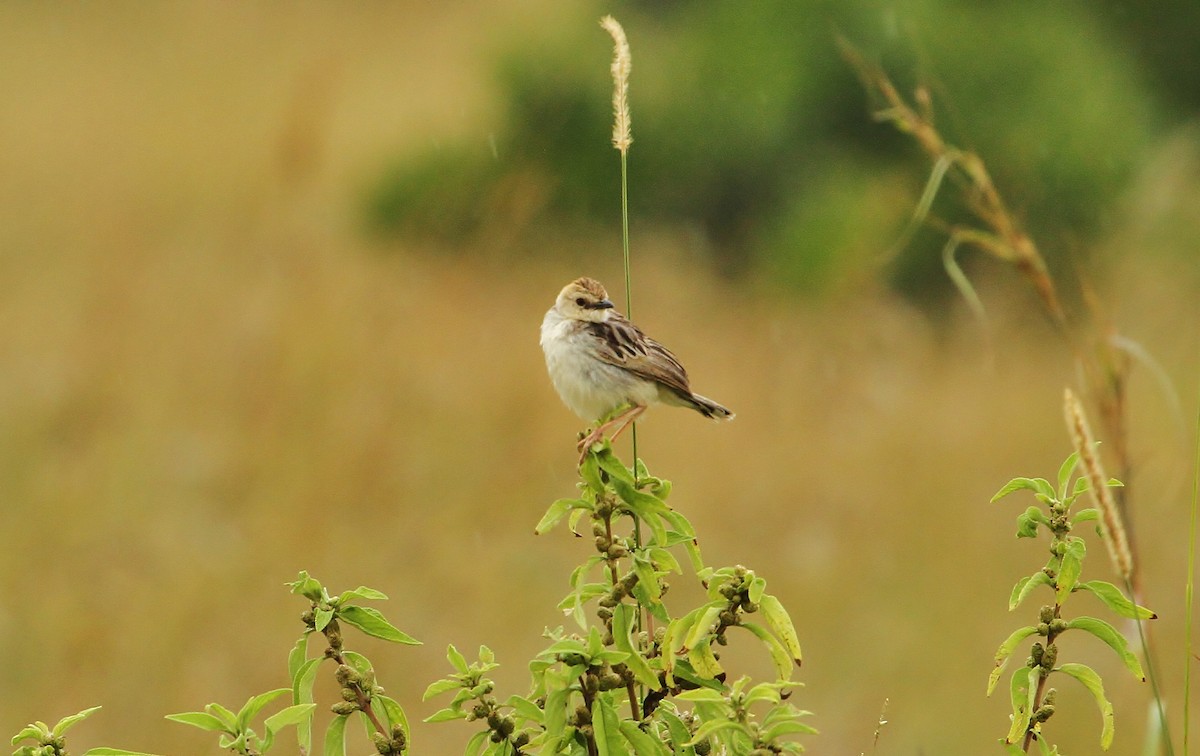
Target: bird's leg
column 633, row 413
column 625, row 417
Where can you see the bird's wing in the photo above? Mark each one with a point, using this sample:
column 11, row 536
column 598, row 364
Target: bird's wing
column 623, row 344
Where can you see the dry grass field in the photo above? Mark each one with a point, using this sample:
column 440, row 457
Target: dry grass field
column 211, row 379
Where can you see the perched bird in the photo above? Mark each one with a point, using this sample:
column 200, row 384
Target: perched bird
column 599, row 361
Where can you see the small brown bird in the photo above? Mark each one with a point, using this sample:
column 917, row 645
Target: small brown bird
column 599, row 361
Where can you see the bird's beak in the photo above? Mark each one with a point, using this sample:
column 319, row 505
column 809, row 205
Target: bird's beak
column 603, row 304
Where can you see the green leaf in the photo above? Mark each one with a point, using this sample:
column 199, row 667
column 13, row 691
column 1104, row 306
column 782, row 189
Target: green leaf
column 291, row 715
column 1028, row 521
column 525, row 708
column 1092, row 682
column 665, row 561
column 1071, row 568
column 623, row 620
column 1025, row 586
column 779, row 654
column 646, row 576
column 758, row 588
column 256, row 704
column 614, row 467
column 713, row 726
column 643, row 744
column 1022, row 691
column 200, row 719
column 650, row 509
column 590, row 472
column 335, row 737
column 227, row 717
column 1085, row 515
column 309, row 588
column 477, row 743
column 394, row 712
column 361, row 592
column 356, row 660
column 557, row 511
column 1037, row 485
column 32, row 732
column 457, row 660
column 302, row 693
column 781, row 624
column 1114, row 639
column 703, row 660
column 371, row 622
column 705, row 623
column 445, row 715
column 792, row 727
column 1005, row 651
column 683, row 527
column 304, row 680
column 1114, row 599
column 437, row 687
column 322, row 618
column 556, row 714
column 66, row 723
column 676, row 729
column 297, row 656
column 606, row 726
column 1064, row 474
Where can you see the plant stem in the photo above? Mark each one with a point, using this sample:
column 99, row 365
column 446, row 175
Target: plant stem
column 1191, row 573
column 587, row 701
column 1152, row 676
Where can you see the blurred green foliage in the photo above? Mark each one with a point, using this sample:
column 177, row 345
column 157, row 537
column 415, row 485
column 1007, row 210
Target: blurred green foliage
column 750, row 129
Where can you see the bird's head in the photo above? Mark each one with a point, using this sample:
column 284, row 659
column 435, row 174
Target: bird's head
column 584, row 299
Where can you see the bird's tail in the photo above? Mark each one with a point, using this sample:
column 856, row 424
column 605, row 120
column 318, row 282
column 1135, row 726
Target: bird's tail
column 709, row 408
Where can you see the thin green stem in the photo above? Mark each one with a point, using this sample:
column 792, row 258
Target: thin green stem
column 1152, row 677
column 628, row 283
column 643, row 613
column 1188, row 591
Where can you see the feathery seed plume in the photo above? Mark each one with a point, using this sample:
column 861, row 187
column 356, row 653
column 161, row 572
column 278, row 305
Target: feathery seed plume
column 1111, row 526
column 622, row 62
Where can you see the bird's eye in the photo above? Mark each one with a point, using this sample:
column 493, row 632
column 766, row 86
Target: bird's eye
column 580, row 301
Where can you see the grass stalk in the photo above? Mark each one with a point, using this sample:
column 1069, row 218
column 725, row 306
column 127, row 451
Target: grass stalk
column 621, row 139
column 1189, row 653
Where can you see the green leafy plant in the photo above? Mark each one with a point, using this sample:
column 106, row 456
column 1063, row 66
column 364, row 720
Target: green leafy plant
column 1033, row 701
column 634, row 677
column 52, row 741
column 361, row 694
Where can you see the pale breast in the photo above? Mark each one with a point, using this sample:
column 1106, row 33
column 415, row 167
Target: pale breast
column 588, row 386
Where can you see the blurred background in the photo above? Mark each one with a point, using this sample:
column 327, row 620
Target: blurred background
column 271, row 277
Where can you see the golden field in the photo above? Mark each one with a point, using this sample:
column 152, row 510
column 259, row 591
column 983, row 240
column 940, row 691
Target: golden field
column 211, row 379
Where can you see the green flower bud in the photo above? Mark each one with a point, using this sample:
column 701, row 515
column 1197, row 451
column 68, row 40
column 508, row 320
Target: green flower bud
column 347, row 675
column 583, row 715
column 383, row 744
column 344, row 708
